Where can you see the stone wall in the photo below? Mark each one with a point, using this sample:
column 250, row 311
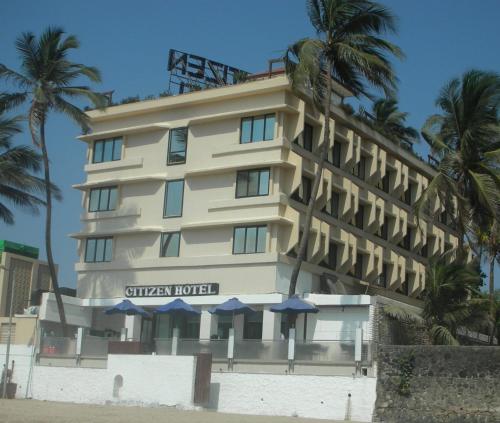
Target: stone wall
column 447, row 384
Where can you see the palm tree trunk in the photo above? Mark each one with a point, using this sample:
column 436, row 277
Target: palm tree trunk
column 491, row 284
column 48, row 229
column 302, row 253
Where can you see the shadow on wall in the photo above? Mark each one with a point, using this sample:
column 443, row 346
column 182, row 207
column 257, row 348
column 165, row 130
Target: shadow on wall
column 214, row 396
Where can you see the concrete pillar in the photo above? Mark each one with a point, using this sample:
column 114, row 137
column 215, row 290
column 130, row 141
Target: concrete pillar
column 271, row 325
column 175, row 340
column 208, row 324
column 133, row 326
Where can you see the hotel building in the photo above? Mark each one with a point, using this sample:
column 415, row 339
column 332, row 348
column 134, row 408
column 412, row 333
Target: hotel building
column 207, row 191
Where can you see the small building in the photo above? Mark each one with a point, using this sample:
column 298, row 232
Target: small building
column 21, row 270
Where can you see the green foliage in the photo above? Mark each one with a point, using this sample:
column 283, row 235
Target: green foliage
column 450, row 301
column 406, row 365
column 465, row 138
column 132, row 99
column 386, row 118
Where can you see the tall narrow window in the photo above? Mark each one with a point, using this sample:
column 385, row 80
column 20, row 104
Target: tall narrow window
column 360, row 217
column 359, row 168
column 251, row 183
column 177, row 144
column 336, row 151
column 249, row 239
column 382, row 278
column 98, row 249
column 174, row 196
column 107, row 150
column 332, row 256
column 335, row 204
column 408, row 195
column 303, row 194
column 103, row 199
column 383, row 183
column 257, row 128
column 308, row 137
column 252, row 326
column 170, row 244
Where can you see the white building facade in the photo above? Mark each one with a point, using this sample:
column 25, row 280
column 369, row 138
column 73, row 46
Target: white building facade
column 202, row 196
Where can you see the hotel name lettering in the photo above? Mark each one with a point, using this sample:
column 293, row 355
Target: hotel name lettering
column 188, row 290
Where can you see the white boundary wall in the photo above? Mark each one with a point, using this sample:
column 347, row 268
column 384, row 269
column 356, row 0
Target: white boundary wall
column 320, row 397
column 147, row 380
column 22, row 356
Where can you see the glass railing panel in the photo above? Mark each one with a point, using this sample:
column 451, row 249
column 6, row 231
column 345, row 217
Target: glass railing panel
column 94, row 346
column 217, row 347
column 335, row 352
column 250, row 349
column 163, row 346
column 56, row 345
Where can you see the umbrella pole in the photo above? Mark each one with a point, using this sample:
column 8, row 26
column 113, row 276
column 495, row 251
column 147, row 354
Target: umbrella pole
column 175, row 335
column 230, row 346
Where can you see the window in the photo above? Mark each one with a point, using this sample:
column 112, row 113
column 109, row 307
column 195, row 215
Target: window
column 169, row 246
column 408, row 195
column 424, row 251
column 224, row 323
column 360, row 217
column 383, row 183
column 304, row 192
column 336, row 151
column 252, row 326
column 249, row 240
column 357, row 269
column 403, row 288
column 332, row 256
column 359, row 168
column 107, row 150
column 103, row 199
column 383, row 231
column 382, row 278
column 174, row 195
column 257, row 128
column 98, row 250
column 335, row 204
column 251, row 183
column 308, row 137
column 177, row 144
column 406, row 242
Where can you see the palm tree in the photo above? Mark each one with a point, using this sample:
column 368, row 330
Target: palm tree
column 349, row 49
column 386, row 118
column 465, row 138
column 448, row 306
column 46, row 81
column 18, row 184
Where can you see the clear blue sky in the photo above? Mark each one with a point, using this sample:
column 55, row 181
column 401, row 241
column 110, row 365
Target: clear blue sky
column 129, row 42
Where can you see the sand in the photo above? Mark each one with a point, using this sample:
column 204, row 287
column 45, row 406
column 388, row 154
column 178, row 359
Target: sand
column 32, row 411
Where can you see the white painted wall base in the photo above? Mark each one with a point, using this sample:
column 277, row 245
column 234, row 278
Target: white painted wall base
column 22, row 356
column 145, row 380
column 321, row 397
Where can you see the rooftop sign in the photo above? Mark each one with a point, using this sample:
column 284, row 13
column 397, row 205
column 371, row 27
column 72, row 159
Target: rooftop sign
column 190, row 72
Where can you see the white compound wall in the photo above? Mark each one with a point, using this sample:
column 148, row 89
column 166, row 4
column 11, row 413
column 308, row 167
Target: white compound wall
column 145, row 380
column 320, row 397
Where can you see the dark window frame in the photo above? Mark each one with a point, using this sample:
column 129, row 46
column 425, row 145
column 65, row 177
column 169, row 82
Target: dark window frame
column 308, row 142
column 334, row 211
column 245, row 240
column 260, row 170
column 103, row 142
column 336, row 158
column 100, row 189
column 169, row 150
column 96, row 239
column 252, row 119
column 178, row 244
column 166, row 195
column 359, row 169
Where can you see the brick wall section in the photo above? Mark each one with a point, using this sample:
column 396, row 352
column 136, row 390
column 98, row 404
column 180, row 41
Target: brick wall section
column 448, row 385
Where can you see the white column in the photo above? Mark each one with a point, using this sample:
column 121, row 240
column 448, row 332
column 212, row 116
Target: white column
column 239, row 323
column 291, row 344
column 358, row 345
column 208, row 324
column 271, row 325
column 175, row 340
column 79, row 341
column 230, row 344
column 133, row 326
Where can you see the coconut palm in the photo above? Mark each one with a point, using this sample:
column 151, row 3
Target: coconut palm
column 48, row 80
column 348, row 48
column 18, row 184
column 465, row 139
column 448, row 306
column 386, row 118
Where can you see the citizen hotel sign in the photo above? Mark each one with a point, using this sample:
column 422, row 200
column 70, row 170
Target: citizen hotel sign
column 188, row 290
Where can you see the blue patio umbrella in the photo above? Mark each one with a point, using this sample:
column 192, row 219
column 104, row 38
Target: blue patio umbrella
column 294, row 305
column 127, row 307
column 232, row 308
column 177, row 307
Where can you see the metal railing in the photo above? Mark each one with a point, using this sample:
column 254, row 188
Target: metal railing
column 250, row 349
